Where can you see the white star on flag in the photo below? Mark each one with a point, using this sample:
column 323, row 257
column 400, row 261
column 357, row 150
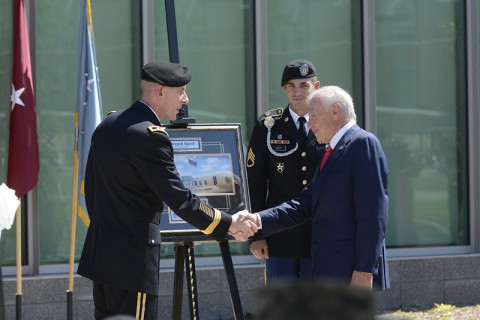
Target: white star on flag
column 15, row 97
column 89, row 83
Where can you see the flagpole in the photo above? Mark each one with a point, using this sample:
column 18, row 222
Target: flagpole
column 74, row 224
column 18, row 298
column 23, row 159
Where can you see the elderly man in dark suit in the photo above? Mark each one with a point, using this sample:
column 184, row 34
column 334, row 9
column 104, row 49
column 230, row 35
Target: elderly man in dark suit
column 347, row 200
column 130, row 173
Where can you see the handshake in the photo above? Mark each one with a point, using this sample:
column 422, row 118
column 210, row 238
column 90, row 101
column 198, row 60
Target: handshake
column 244, row 225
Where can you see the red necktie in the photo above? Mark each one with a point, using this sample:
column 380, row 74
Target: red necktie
column 325, row 156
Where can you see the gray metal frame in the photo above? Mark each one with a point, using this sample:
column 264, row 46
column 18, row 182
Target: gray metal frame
column 370, row 101
column 472, row 69
column 368, row 14
column 261, row 55
column 148, row 22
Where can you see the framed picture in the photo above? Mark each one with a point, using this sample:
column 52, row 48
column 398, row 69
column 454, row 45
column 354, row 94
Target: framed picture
column 210, row 161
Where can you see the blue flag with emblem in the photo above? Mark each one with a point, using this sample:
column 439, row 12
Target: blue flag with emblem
column 89, row 103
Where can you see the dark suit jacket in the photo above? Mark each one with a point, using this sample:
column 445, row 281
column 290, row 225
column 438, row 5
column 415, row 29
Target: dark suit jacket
column 348, row 204
column 273, row 180
column 130, row 173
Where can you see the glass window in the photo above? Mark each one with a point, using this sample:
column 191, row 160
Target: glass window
column 324, row 32
column 421, row 119
column 117, row 43
column 215, row 39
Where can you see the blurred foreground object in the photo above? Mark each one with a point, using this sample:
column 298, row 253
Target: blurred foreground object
column 8, row 206
column 314, row 301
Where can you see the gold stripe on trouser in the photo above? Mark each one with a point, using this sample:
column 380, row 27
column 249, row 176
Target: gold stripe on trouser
column 140, row 315
column 265, row 273
column 143, row 306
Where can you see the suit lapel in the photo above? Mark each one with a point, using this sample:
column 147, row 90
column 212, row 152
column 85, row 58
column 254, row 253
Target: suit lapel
column 334, row 157
column 339, row 149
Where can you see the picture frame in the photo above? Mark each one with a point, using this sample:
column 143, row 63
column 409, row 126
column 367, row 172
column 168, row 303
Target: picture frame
column 210, row 161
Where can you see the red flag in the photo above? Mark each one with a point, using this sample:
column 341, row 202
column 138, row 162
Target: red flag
column 23, row 144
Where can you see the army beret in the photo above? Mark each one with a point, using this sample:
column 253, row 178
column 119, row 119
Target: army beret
column 166, row 73
column 298, row 69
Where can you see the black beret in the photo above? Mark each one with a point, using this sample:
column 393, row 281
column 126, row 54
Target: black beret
column 166, row 73
column 298, row 69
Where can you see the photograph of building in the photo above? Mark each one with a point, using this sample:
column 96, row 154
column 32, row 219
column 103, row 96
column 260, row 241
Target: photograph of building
column 207, row 174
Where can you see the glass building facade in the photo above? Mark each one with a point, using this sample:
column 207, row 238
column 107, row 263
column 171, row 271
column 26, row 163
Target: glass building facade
column 412, row 67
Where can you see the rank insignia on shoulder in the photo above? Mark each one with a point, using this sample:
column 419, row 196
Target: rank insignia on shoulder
column 153, row 129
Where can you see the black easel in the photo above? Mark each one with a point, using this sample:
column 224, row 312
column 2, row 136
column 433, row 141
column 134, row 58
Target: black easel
column 184, row 254
column 232, row 281
column 184, row 245
column 182, row 116
column 185, row 257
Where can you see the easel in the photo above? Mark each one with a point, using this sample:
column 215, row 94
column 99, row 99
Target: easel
column 184, row 246
column 185, row 258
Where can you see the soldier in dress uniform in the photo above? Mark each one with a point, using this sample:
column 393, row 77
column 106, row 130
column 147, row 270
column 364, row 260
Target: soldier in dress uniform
column 130, row 173
column 281, row 160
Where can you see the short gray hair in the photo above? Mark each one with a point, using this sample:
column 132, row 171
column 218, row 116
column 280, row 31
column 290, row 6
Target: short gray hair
column 328, row 95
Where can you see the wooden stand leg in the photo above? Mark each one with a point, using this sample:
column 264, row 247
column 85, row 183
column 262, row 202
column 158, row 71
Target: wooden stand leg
column 232, row 281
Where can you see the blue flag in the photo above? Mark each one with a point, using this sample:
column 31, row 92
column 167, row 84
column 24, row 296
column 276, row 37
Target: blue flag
column 89, row 102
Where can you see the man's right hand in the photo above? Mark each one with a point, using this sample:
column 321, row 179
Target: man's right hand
column 260, row 249
column 244, row 225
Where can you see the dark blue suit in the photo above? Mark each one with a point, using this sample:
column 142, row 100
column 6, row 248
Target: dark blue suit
column 347, row 202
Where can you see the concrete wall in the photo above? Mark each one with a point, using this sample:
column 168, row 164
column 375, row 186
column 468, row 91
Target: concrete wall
column 425, row 281
column 44, row 297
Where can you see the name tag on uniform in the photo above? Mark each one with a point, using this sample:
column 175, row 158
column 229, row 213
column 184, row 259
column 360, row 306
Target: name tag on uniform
column 279, row 145
column 279, row 141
